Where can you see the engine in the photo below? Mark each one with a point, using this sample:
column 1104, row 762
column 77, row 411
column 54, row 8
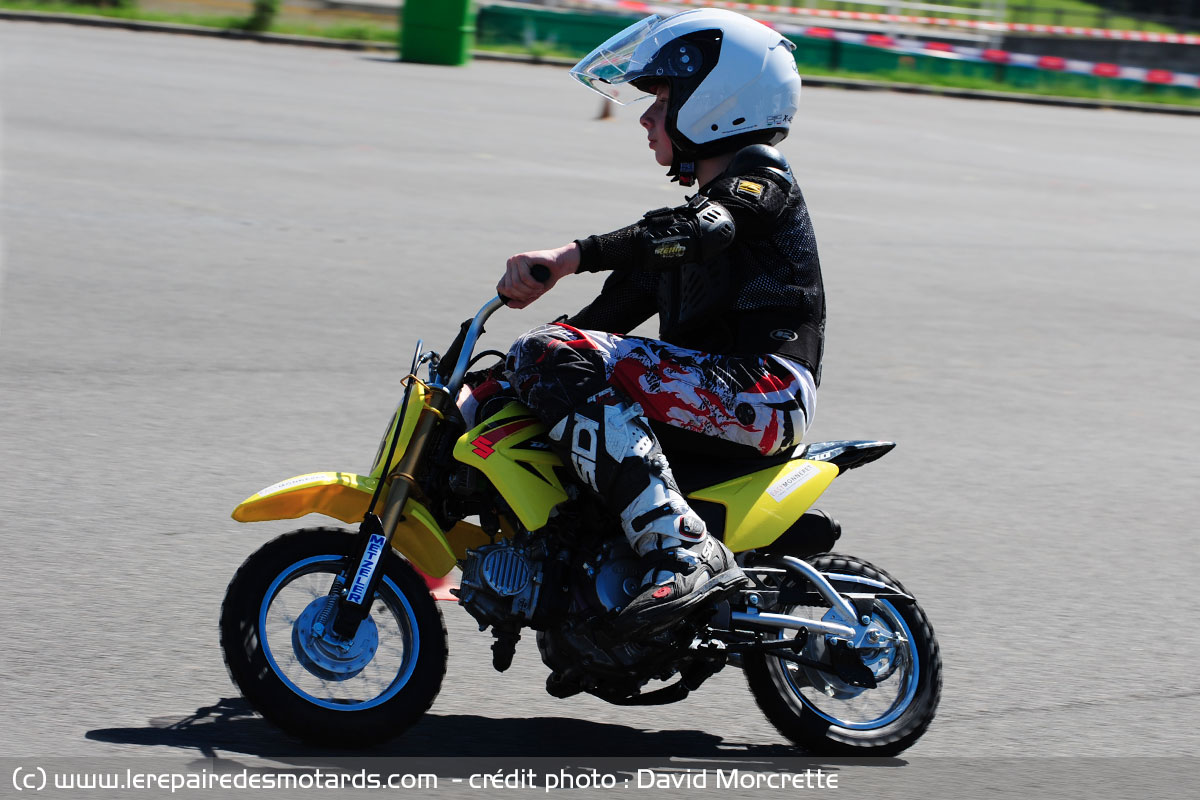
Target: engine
column 616, row 576
column 526, row 584
column 569, row 598
column 503, row 584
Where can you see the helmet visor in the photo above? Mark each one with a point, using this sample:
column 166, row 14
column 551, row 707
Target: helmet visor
column 612, row 64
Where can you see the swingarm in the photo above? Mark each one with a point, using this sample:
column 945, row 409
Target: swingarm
column 849, row 617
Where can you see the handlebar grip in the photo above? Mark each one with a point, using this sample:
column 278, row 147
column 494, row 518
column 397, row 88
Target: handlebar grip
column 539, row 272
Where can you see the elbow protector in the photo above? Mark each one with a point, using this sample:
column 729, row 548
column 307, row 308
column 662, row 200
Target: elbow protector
column 693, row 233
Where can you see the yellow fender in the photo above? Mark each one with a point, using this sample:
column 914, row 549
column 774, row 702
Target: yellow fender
column 760, row 506
column 341, row 495
column 346, row 496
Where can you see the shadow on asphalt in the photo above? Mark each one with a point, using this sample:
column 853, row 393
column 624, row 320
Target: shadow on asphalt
column 231, row 726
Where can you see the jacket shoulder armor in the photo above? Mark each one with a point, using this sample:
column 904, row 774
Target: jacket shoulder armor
column 760, row 156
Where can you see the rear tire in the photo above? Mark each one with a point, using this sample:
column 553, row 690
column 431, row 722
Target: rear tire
column 828, row 717
column 384, row 680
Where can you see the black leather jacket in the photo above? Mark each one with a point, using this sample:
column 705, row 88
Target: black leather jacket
column 754, row 293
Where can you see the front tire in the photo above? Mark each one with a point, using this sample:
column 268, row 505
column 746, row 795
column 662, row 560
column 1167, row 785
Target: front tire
column 319, row 689
column 827, row 716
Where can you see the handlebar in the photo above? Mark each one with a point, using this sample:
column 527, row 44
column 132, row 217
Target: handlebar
column 464, row 344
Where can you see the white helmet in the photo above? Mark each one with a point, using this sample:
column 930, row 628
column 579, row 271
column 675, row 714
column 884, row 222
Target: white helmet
column 733, row 80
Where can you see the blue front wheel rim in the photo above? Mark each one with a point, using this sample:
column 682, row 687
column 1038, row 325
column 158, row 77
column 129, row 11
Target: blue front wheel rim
column 390, row 669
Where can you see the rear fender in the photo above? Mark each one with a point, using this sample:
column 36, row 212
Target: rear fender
column 847, row 454
column 760, row 506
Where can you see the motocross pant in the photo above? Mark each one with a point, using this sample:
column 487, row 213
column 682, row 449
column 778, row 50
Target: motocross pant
column 597, row 392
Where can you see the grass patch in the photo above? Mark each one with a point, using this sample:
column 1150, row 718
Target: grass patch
column 537, row 49
column 1078, row 13
column 1131, row 91
column 118, row 12
column 334, row 29
column 1073, row 13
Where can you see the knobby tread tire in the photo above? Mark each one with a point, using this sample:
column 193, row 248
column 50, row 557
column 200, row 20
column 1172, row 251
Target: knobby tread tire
column 817, row 735
column 261, row 686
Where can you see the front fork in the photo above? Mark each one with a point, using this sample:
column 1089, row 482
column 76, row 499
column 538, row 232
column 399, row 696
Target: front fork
column 375, row 532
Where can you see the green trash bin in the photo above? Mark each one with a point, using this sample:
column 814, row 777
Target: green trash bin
column 437, row 31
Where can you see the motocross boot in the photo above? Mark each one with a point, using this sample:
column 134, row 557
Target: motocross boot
column 612, row 449
column 680, row 579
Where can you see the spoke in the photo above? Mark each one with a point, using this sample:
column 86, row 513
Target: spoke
column 391, row 623
column 396, row 650
column 288, row 598
column 285, row 604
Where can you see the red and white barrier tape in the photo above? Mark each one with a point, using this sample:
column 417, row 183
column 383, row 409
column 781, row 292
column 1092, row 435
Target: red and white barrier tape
column 1056, row 63
column 972, row 24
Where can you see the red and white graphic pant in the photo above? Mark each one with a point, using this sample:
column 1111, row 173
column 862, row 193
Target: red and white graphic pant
column 763, row 402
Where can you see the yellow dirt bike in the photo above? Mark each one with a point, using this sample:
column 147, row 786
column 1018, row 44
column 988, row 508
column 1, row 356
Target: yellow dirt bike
column 332, row 634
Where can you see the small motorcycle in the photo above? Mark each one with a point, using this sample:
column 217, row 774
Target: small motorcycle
column 332, row 634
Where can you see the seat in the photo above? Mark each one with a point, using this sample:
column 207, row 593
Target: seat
column 698, row 460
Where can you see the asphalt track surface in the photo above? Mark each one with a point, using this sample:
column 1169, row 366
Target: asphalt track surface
column 218, row 255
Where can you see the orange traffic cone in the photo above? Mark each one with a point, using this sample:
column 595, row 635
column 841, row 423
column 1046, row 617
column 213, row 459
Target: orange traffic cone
column 440, row 587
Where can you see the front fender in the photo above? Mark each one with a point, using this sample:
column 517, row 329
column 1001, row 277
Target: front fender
column 346, row 496
column 341, row 495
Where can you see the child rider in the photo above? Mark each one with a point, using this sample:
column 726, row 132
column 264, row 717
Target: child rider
column 733, row 275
